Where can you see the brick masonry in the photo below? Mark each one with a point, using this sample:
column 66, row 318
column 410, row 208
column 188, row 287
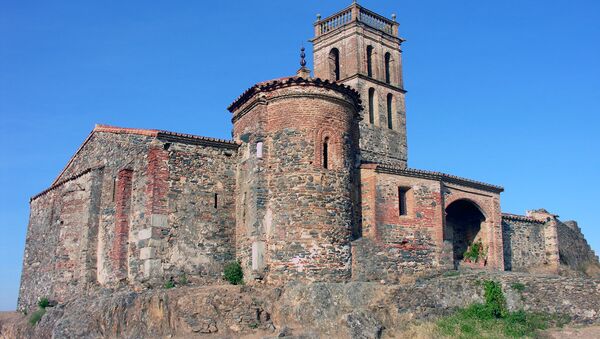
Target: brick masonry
column 312, row 188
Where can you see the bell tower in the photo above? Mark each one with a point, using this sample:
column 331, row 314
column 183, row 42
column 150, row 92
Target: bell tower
column 360, row 48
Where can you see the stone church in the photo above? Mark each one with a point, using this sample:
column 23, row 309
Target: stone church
column 314, row 186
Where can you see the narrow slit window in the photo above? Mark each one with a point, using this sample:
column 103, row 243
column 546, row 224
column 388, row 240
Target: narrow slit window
column 371, row 106
column 370, row 61
column 402, row 201
column 216, row 200
column 326, row 153
column 244, row 209
column 388, row 60
column 114, row 188
column 390, row 101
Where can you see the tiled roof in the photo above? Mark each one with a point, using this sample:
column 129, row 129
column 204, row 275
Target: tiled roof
column 290, row 81
column 165, row 134
column 381, row 168
column 517, row 217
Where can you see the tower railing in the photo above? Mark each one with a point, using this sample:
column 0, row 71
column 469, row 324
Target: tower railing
column 355, row 13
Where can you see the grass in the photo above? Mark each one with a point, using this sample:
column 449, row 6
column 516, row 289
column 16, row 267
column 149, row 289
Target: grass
column 169, row 284
column 37, row 316
column 493, row 320
column 518, row 287
column 453, row 273
column 476, row 321
column 43, row 303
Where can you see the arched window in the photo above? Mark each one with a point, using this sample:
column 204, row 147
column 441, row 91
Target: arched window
column 390, row 102
column 326, row 152
column 334, row 64
column 371, row 105
column 370, row 61
column 388, row 58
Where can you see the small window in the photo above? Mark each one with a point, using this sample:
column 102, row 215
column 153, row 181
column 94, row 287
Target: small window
column 114, row 188
column 371, row 105
column 334, row 64
column 370, row 61
column 259, row 149
column 402, row 200
column 326, row 153
column 390, row 102
column 244, row 209
column 216, row 200
column 388, row 60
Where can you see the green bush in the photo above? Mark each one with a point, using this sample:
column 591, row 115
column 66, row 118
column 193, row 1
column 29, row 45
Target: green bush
column 169, row 284
column 474, row 252
column 183, row 280
column 233, row 273
column 494, row 298
column 37, row 316
column 43, row 303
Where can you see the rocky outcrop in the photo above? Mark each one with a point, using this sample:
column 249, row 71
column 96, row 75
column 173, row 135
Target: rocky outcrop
column 318, row 310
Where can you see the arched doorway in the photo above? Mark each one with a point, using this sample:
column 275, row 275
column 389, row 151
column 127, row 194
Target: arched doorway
column 463, row 224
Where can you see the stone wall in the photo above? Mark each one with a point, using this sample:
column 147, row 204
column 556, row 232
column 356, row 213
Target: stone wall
column 131, row 207
column 60, row 251
column 201, row 211
column 574, row 250
column 397, row 244
column 540, row 242
column 524, row 244
column 296, row 211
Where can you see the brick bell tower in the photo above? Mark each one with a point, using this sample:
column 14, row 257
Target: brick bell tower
column 361, row 49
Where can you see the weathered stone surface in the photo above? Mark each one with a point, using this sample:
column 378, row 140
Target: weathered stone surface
column 317, row 310
column 131, row 207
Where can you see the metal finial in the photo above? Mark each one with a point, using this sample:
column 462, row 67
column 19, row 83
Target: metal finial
column 302, row 56
column 318, row 17
column 394, row 16
column 354, row 1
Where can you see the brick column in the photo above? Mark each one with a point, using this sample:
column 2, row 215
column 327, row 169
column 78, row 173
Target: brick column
column 152, row 238
column 368, row 190
column 118, row 254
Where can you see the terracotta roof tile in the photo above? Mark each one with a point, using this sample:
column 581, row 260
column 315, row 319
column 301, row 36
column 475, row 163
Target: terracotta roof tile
column 289, row 81
column 437, row 176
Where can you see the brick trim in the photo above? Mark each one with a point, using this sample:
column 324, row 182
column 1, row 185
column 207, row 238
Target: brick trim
column 119, row 251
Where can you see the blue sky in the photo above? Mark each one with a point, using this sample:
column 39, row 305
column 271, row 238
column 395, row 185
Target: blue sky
column 506, row 92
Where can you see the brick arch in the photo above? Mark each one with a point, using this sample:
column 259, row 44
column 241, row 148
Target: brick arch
column 481, row 203
column 335, row 158
column 474, row 202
